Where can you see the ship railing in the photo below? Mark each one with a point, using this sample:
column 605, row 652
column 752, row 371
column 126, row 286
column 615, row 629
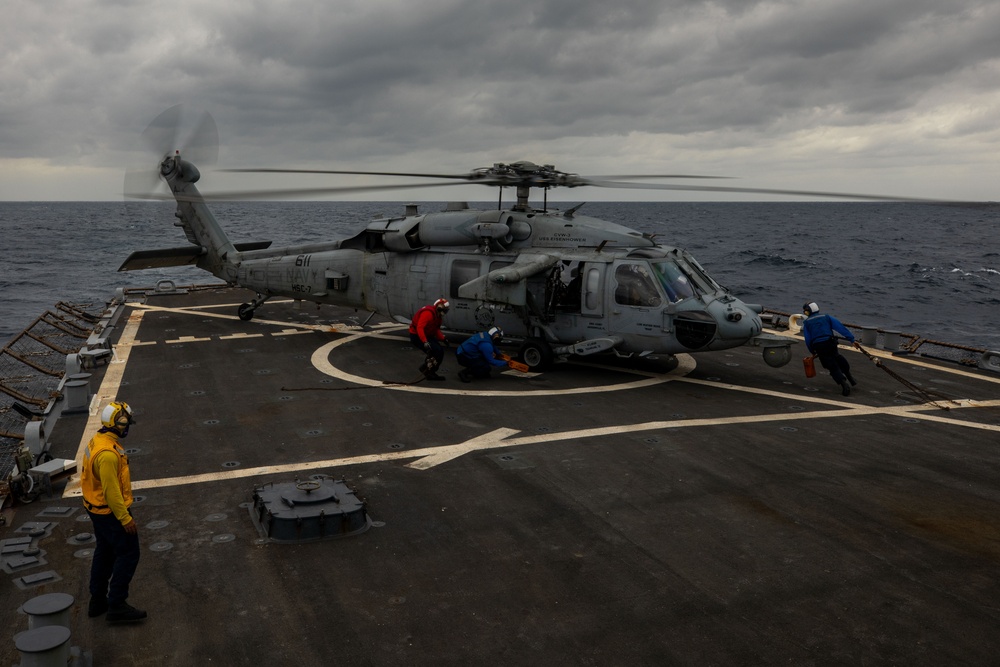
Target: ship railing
column 42, row 371
column 32, row 367
column 898, row 342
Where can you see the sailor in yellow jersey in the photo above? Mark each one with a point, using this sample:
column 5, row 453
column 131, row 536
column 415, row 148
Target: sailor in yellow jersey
column 107, row 495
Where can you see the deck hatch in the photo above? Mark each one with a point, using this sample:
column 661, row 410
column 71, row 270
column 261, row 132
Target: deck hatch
column 306, row 510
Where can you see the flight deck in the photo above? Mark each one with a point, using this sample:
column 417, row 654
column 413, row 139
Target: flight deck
column 706, row 510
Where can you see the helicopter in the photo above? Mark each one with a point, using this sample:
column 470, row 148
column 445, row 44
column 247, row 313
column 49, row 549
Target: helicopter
column 557, row 282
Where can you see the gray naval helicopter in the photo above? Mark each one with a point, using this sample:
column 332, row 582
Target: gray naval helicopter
column 558, row 282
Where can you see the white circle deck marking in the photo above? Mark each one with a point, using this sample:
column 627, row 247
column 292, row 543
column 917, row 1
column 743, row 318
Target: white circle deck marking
column 321, row 362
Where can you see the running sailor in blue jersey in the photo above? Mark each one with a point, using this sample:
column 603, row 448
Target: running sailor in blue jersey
column 478, row 353
column 819, row 330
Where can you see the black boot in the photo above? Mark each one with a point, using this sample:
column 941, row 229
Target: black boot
column 124, row 613
column 97, row 607
column 850, row 378
column 846, row 387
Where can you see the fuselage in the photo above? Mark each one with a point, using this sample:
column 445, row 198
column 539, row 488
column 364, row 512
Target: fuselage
column 536, row 275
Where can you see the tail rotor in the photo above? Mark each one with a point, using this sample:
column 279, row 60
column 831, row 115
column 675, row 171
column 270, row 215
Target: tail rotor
column 160, row 139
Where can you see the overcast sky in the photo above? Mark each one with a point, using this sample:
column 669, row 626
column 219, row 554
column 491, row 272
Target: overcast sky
column 896, row 97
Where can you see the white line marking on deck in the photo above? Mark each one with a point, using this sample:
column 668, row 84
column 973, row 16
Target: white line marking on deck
column 106, row 393
column 321, row 361
column 430, row 457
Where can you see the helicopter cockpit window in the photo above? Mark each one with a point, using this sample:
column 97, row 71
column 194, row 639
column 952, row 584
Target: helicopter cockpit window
column 691, row 265
column 675, row 283
column 636, row 286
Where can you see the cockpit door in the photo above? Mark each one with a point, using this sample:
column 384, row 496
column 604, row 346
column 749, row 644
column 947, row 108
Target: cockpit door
column 635, row 301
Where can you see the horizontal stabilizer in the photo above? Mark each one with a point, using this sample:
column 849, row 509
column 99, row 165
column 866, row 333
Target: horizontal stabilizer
column 182, row 256
column 252, row 245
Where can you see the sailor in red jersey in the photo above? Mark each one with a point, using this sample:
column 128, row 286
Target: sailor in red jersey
column 425, row 334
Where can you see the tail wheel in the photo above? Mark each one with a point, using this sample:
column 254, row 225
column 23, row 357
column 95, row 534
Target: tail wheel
column 245, row 312
column 537, row 354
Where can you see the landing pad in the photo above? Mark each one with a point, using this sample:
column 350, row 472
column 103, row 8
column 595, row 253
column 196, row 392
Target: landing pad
column 717, row 511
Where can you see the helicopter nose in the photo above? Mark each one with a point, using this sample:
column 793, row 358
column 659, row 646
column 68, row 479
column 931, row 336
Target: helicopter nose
column 737, row 321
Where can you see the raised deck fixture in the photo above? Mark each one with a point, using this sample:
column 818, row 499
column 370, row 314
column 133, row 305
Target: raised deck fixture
column 306, row 510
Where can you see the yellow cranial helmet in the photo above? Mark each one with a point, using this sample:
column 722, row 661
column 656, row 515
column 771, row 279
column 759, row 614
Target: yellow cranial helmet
column 117, row 414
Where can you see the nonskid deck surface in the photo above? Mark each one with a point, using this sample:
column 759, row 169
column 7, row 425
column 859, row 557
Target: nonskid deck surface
column 723, row 512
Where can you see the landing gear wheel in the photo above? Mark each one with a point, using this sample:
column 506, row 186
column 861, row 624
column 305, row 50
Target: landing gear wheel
column 537, row 354
column 245, row 312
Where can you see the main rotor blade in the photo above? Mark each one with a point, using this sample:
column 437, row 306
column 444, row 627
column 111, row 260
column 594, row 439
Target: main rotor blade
column 288, row 193
column 641, row 176
column 474, row 177
column 468, row 177
column 774, row 191
column 484, row 177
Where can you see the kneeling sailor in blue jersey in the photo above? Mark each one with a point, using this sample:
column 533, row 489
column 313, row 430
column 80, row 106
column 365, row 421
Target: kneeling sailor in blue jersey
column 818, row 329
column 478, row 353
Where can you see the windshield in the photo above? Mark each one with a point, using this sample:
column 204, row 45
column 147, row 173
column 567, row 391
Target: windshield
column 675, row 283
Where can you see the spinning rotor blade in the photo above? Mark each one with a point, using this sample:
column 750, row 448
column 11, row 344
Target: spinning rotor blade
column 642, row 176
column 551, row 178
column 336, row 171
column 160, row 136
column 140, row 181
column 524, row 174
column 770, row 191
column 202, row 147
column 482, row 177
column 160, row 140
column 290, row 193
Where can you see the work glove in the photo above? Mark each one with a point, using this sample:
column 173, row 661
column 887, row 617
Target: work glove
column 427, row 347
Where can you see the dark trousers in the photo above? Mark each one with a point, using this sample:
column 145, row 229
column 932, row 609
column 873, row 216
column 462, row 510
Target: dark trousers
column 115, row 559
column 436, row 353
column 478, row 366
column 832, row 360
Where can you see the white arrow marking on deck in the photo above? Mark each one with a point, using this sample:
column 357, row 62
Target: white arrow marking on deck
column 429, row 457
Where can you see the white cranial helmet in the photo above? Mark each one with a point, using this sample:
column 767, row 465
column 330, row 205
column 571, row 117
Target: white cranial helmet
column 117, row 414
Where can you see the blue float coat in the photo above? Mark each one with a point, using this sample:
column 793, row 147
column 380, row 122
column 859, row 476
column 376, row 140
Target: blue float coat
column 480, row 346
column 819, row 327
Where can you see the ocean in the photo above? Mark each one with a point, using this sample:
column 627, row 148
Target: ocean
column 933, row 271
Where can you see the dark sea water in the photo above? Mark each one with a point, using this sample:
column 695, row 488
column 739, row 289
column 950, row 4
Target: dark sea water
column 933, row 271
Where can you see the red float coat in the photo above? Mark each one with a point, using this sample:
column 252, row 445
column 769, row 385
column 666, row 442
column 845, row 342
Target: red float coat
column 426, row 324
